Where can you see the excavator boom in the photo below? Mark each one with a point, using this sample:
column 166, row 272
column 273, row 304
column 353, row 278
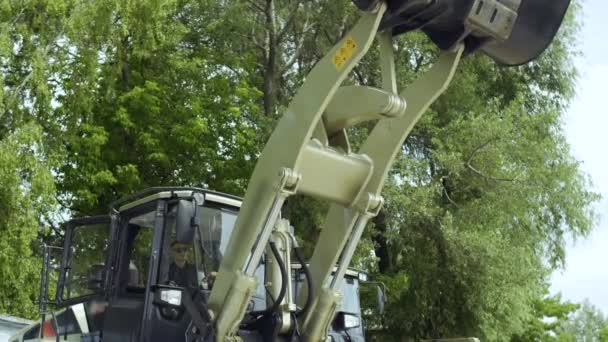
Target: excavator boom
column 309, row 151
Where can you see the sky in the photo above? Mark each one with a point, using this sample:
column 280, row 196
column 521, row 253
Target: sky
column 586, row 127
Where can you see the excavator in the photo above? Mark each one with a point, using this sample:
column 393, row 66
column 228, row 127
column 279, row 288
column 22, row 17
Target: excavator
column 190, row 264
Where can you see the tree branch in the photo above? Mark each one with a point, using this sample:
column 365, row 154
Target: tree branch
column 479, row 173
column 255, row 5
column 479, row 148
column 29, row 76
column 298, row 46
column 445, row 191
column 294, row 57
column 259, row 45
column 55, row 229
column 329, row 38
column 17, row 17
column 289, row 23
column 359, row 76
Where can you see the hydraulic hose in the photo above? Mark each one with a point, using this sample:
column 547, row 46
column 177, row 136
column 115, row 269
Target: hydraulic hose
column 309, row 295
column 284, row 281
column 281, row 296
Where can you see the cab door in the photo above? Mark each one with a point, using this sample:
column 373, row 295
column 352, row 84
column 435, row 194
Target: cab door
column 84, row 273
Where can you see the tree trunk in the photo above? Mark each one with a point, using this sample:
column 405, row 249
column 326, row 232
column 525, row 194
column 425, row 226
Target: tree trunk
column 381, row 243
column 271, row 76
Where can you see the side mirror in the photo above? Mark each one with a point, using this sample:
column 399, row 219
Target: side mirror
column 381, row 298
column 185, row 221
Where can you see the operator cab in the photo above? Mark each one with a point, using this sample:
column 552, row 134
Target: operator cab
column 135, row 270
column 124, row 265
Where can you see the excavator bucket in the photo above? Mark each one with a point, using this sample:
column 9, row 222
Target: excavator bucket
column 512, row 32
column 536, row 26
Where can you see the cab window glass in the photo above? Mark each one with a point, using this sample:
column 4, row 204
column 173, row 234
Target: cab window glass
column 66, row 323
column 214, row 231
column 140, row 231
column 183, row 264
column 33, row 333
column 85, row 274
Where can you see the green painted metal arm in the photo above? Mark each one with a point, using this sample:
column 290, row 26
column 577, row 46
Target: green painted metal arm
column 308, row 153
column 279, row 171
column 344, row 225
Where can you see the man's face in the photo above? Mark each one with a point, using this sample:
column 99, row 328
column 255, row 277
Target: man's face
column 179, row 252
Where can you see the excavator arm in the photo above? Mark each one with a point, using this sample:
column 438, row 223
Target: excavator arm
column 309, row 151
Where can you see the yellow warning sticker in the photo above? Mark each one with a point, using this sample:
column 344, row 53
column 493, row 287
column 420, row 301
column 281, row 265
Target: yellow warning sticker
column 345, row 52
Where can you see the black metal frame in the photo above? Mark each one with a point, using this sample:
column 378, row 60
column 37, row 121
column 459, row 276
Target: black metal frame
column 153, row 267
column 67, row 254
column 43, row 300
column 153, row 190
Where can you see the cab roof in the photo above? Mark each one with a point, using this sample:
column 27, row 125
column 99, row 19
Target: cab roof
column 153, row 193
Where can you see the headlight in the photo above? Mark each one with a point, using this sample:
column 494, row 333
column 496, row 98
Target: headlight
column 345, row 321
column 173, row 297
column 351, row 321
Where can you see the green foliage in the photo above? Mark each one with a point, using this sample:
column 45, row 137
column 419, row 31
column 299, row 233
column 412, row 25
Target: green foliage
column 27, row 192
column 548, row 314
column 481, row 199
column 156, row 112
column 587, row 324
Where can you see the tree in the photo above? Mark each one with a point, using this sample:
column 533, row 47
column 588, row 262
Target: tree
column 548, row 315
column 27, row 193
column 587, row 324
column 27, row 151
column 136, row 103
